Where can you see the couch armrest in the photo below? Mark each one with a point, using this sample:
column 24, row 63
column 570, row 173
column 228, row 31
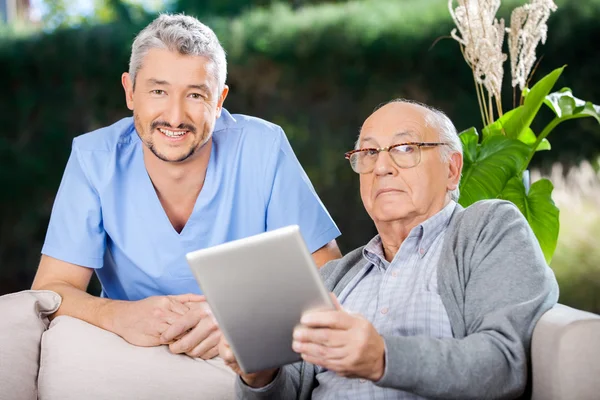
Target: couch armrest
column 23, row 320
column 565, row 355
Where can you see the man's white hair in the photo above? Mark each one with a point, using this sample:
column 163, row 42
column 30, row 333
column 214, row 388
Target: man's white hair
column 183, row 34
column 440, row 122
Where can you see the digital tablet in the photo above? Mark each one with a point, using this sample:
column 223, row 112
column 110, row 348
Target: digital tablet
column 258, row 287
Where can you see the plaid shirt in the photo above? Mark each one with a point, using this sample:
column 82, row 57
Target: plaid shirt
column 400, row 298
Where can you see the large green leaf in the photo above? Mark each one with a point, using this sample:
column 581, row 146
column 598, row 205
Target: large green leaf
column 469, row 139
column 539, row 210
column 522, row 118
column 566, row 106
column 497, row 127
column 489, row 166
column 527, row 136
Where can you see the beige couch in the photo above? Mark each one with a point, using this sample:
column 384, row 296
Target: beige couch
column 70, row 359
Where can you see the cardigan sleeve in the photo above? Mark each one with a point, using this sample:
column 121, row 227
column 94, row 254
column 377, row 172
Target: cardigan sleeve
column 504, row 286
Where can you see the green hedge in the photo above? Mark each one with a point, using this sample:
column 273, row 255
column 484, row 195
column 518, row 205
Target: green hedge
column 318, row 71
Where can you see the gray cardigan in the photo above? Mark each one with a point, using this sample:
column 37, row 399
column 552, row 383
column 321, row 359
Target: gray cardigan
column 495, row 285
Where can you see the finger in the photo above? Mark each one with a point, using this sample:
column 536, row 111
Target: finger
column 199, row 306
column 327, row 319
column 204, row 347
column 189, row 297
column 208, row 355
column 337, row 365
column 322, row 336
column 224, row 343
column 181, row 325
column 225, row 352
column 319, row 351
column 336, row 302
column 193, row 338
column 214, row 352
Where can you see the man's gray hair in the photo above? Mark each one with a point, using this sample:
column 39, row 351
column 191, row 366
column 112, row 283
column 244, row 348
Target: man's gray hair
column 439, row 121
column 183, row 34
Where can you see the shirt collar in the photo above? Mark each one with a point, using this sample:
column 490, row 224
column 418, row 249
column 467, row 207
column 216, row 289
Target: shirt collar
column 425, row 233
column 224, row 121
column 373, row 252
column 434, row 226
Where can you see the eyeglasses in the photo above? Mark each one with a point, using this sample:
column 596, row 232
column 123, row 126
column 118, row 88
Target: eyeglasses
column 404, row 155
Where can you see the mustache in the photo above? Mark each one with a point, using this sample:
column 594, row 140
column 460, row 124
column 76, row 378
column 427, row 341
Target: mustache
column 165, row 124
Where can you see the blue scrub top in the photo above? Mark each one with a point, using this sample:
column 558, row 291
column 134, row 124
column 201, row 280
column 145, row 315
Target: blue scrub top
column 107, row 215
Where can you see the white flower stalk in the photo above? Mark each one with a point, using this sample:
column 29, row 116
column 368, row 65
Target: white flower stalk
column 527, row 28
column 481, row 36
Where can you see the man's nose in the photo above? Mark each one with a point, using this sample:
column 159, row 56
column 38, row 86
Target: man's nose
column 384, row 165
column 175, row 113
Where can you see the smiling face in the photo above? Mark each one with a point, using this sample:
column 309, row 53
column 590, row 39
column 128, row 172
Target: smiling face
column 410, row 195
column 175, row 103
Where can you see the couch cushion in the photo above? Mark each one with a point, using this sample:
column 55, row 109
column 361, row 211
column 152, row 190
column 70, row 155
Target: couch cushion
column 82, row 361
column 24, row 317
column 565, row 353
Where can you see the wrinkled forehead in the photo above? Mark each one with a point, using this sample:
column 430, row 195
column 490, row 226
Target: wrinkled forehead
column 396, row 123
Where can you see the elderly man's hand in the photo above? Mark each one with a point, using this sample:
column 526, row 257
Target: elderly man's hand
column 257, row 379
column 346, row 344
column 194, row 333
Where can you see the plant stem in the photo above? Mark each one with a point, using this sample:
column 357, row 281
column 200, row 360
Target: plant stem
column 535, row 67
column 499, row 106
column 477, row 88
column 486, row 112
column 541, row 137
column 491, row 109
column 479, row 100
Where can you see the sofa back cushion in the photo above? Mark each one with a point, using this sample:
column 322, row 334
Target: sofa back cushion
column 82, row 361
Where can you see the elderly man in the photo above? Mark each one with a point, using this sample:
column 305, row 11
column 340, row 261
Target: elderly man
column 441, row 303
column 180, row 175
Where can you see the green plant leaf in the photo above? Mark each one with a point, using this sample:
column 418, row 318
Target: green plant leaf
column 544, row 145
column 497, row 127
column 469, row 139
column 539, row 209
column 566, row 106
column 529, row 138
column 534, row 98
column 489, row 166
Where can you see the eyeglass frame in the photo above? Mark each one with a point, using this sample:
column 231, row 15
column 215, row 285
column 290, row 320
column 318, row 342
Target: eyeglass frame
column 349, row 154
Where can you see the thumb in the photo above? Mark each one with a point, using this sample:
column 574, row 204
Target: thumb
column 335, row 301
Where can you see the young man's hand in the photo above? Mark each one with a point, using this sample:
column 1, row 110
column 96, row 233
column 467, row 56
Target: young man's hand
column 194, row 333
column 142, row 322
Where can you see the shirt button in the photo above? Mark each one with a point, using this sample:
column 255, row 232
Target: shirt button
column 394, row 274
column 422, row 251
column 362, row 380
column 384, row 310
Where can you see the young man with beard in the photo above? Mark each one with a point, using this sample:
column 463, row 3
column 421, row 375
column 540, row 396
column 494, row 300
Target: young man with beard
column 181, row 175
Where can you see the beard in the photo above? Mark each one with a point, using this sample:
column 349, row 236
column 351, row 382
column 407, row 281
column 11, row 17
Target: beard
column 146, row 137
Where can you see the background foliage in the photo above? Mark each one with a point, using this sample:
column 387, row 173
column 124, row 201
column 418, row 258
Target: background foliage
column 318, row 70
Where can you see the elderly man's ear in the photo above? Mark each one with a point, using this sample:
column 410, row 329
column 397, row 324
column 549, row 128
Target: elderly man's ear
column 454, row 170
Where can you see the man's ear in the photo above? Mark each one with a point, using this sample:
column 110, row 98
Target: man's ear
column 454, row 170
column 128, row 86
column 221, row 100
